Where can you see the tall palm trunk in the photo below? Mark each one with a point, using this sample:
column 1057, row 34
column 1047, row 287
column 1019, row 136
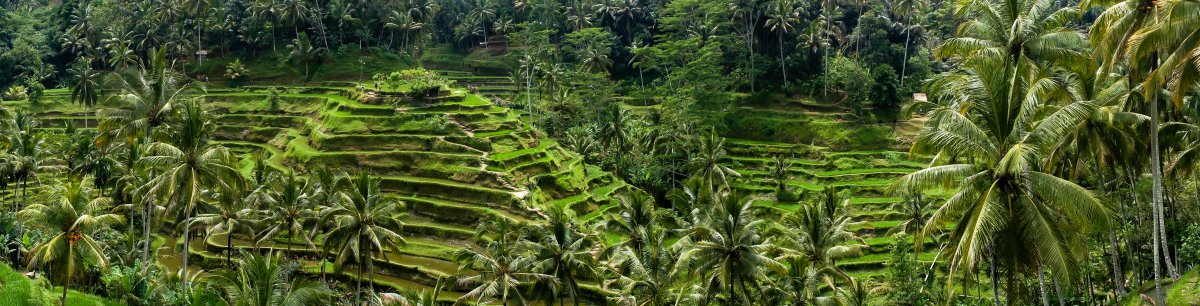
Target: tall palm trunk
column 992, row 268
column 1042, row 283
column 229, row 248
column 1156, row 194
column 187, row 227
column 67, row 284
column 782, row 66
column 904, row 64
column 146, row 238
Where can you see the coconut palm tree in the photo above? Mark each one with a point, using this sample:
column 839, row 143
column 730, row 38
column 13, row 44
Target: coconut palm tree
column 290, row 208
column 71, row 219
column 780, row 172
column 148, row 96
column 728, row 251
column 707, row 164
column 802, row 281
column 636, row 219
column 364, row 223
column 562, row 251
column 1006, row 207
column 780, row 18
column 914, row 209
column 262, row 280
column 500, row 274
column 645, row 274
column 821, row 231
column 230, row 212
column 303, row 51
column 86, row 90
column 188, row 165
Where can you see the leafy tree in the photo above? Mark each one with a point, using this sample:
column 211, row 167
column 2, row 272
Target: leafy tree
column 263, row 280
column 562, row 251
column 707, row 164
column 364, row 224
column 236, row 72
column 728, row 251
column 290, row 207
column 188, row 164
column 72, row 220
column 305, row 53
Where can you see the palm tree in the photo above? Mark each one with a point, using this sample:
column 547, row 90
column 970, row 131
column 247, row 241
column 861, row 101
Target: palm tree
column 914, row 208
column 563, row 251
column 291, row 203
column 707, row 164
column 71, row 220
column 231, row 213
column 728, row 250
column 364, row 224
column 906, row 10
column 500, row 273
column 821, row 231
column 780, row 172
column 802, row 281
column 855, row 293
column 781, row 15
column 636, row 220
column 188, row 164
column 29, row 155
column 579, row 139
column 86, row 90
column 303, row 51
column 149, row 97
column 1006, row 207
column 646, row 274
column 262, row 280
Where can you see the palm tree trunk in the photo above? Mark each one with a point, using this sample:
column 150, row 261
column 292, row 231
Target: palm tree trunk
column 782, row 66
column 229, row 248
column 904, row 64
column 358, row 286
column 67, row 284
column 187, row 226
column 1058, row 290
column 992, row 268
column 1042, row 283
column 1118, row 274
column 146, row 238
column 1156, row 175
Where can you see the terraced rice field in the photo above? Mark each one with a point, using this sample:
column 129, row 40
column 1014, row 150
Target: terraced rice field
column 864, row 175
column 453, row 164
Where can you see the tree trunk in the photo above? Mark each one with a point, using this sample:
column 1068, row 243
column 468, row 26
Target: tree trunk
column 229, row 248
column 1058, row 289
column 1156, row 174
column 146, row 237
column 904, row 64
column 992, row 268
column 187, row 226
column 782, row 66
column 1118, row 274
column 1042, row 284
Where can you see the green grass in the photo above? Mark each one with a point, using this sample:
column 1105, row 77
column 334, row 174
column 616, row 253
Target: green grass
column 17, row 290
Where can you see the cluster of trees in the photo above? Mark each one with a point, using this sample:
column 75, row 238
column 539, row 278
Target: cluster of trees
column 760, row 44
column 150, row 168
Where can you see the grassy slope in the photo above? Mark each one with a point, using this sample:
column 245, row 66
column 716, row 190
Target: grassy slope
column 17, row 290
column 1186, row 291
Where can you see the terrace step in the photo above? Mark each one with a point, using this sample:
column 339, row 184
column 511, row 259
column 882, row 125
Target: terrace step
column 450, row 191
column 458, row 213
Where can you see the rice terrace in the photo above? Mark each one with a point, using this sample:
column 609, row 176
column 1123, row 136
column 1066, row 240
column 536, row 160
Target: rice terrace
column 587, row 152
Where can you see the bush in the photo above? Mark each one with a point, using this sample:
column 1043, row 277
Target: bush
column 15, row 92
column 851, row 77
column 36, row 91
column 848, row 163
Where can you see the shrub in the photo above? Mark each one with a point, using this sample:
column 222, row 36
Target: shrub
column 851, row 77
column 848, row 163
column 236, row 72
column 16, row 92
column 36, row 91
column 422, row 83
